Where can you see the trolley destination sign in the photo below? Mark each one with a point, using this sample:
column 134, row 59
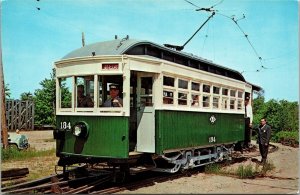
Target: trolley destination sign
column 114, row 66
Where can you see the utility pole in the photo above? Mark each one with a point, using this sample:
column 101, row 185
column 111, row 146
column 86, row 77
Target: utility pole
column 83, row 39
column 4, row 135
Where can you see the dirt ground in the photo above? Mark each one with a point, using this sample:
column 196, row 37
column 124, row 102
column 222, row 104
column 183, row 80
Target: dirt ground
column 40, row 140
column 39, row 166
column 283, row 179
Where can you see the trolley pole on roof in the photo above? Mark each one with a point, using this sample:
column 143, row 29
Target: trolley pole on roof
column 213, row 13
column 4, row 134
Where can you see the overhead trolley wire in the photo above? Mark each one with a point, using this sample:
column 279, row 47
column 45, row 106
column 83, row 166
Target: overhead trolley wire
column 232, row 18
column 246, row 35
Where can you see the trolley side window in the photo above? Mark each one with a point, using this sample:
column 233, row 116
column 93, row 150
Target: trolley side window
column 232, row 93
column 216, row 102
column 183, row 84
column 206, row 88
column 182, row 98
column 224, row 103
column 195, row 86
column 65, row 91
column 216, row 97
column 195, row 97
column 169, row 89
column 232, row 104
column 224, row 91
column 195, row 100
column 225, row 99
column 169, row 81
column 168, row 97
column 216, row 90
column 206, row 96
column 240, row 100
column 205, row 101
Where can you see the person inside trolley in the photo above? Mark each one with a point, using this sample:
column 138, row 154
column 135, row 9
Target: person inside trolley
column 82, row 100
column 114, row 100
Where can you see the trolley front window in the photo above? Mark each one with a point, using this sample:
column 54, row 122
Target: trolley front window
column 110, row 91
column 84, row 91
column 65, row 92
column 90, row 93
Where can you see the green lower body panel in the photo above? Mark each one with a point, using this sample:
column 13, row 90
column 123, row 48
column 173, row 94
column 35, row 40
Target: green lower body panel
column 178, row 129
column 107, row 136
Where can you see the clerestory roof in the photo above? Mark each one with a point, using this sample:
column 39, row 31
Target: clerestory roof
column 147, row 48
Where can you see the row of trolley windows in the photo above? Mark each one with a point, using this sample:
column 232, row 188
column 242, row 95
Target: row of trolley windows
column 204, row 96
column 84, row 90
column 209, row 95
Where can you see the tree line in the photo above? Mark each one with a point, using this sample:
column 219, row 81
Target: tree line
column 282, row 115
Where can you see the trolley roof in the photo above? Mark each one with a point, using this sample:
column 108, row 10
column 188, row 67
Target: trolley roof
column 142, row 47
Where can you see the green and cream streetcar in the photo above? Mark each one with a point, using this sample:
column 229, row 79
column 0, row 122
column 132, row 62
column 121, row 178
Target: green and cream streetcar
column 171, row 107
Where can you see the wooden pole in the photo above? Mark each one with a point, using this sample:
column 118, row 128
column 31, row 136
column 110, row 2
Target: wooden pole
column 83, row 39
column 4, row 134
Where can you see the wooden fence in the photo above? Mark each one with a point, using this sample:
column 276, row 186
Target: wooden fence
column 20, row 114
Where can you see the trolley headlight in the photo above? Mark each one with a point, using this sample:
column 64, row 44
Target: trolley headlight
column 80, row 129
column 77, row 130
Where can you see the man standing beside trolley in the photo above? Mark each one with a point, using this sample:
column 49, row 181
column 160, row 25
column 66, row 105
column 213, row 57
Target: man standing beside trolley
column 264, row 135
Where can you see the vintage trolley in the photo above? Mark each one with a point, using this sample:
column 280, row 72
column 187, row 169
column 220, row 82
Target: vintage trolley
column 178, row 110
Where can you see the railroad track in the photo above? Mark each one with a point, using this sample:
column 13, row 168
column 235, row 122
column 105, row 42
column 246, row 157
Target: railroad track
column 101, row 182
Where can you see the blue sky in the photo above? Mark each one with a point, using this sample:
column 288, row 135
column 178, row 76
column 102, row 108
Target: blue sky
column 32, row 39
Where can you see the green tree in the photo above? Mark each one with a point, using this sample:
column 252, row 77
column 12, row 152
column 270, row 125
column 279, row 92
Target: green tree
column 26, row 96
column 45, row 101
column 258, row 109
column 290, row 111
column 281, row 115
column 7, row 91
column 272, row 113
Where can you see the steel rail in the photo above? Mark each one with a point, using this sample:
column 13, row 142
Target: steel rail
column 50, row 184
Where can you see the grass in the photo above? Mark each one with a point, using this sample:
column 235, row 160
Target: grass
column 15, row 154
column 268, row 166
column 49, row 140
column 39, row 163
column 248, row 171
column 213, row 169
column 245, row 171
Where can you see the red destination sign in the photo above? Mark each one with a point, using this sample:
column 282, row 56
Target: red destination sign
column 110, row 66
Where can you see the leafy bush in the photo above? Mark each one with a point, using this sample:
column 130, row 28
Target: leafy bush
column 281, row 115
column 286, row 136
